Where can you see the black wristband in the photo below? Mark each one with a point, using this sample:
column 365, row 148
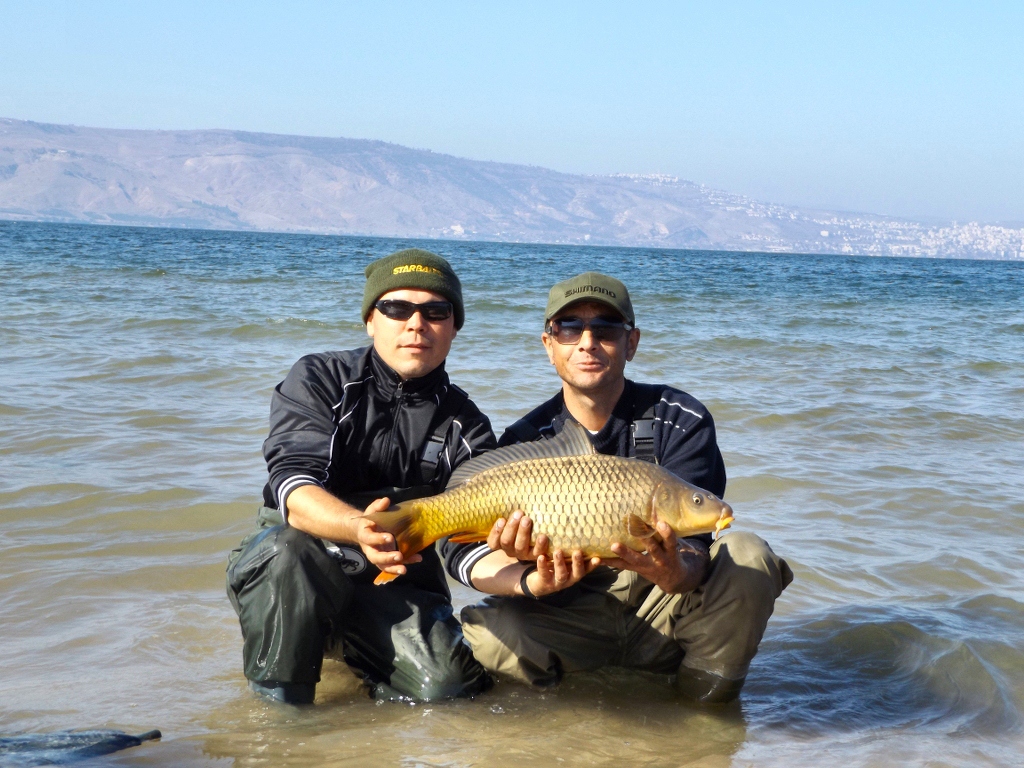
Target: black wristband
column 522, row 581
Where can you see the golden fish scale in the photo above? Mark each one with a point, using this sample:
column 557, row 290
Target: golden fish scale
column 580, row 502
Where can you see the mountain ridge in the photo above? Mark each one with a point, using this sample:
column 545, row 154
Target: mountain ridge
column 244, row 180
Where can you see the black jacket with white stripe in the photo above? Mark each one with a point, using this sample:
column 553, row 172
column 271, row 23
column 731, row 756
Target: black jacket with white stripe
column 346, row 422
column 684, row 443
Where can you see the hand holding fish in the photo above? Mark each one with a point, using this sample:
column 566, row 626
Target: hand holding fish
column 673, row 565
column 558, row 572
column 379, row 547
column 553, row 573
column 513, row 537
column 580, row 499
column 319, row 513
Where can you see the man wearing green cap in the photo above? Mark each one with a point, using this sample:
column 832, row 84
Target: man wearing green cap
column 692, row 607
column 350, row 433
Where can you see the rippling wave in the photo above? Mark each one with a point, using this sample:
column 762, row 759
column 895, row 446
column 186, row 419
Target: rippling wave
column 871, row 412
column 866, row 667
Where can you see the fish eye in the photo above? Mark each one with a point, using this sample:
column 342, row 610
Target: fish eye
column 697, row 499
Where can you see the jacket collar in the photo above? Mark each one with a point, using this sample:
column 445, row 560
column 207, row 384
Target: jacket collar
column 620, row 419
column 387, row 380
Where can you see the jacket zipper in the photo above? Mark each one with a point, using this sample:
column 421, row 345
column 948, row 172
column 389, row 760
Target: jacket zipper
column 389, row 448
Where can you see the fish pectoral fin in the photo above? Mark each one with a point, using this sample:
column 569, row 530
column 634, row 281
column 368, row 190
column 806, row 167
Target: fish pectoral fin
column 384, row 577
column 467, row 537
column 635, row 526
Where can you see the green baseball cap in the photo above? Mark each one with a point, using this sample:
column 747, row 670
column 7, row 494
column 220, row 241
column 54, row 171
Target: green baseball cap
column 590, row 286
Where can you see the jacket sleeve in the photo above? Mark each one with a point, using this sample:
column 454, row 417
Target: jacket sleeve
column 687, row 446
column 475, row 437
column 303, row 413
column 471, row 435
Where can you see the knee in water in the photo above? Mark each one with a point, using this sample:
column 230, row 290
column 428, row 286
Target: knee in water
column 285, row 693
column 455, row 684
column 447, row 684
column 705, row 687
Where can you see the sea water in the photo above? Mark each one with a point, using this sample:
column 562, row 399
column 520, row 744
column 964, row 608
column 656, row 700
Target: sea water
column 871, row 414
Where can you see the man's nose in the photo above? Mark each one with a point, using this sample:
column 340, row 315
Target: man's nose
column 587, row 340
column 416, row 320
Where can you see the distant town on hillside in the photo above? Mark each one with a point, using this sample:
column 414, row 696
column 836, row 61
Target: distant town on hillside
column 225, row 179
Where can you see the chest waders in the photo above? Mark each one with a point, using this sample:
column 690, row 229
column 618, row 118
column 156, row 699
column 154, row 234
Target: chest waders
column 298, row 597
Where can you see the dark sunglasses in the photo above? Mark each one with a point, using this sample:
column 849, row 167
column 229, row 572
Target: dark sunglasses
column 396, row 309
column 569, row 330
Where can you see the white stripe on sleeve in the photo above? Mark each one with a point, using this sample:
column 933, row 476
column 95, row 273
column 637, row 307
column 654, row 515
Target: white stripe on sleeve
column 681, row 407
column 471, row 558
column 289, row 485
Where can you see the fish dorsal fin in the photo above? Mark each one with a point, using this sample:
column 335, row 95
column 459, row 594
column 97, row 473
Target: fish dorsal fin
column 571, row 441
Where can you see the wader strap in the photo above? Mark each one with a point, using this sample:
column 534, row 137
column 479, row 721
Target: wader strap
column 448, row 410
column 642, row 436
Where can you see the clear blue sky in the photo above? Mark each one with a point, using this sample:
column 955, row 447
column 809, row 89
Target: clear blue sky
column 910, row 109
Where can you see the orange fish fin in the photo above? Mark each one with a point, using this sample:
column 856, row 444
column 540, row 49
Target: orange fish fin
column 467, row 537
column 635, row 526
column 405, row 522
column 384, row 577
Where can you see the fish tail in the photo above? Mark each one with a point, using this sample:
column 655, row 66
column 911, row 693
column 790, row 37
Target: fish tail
column 405, row 522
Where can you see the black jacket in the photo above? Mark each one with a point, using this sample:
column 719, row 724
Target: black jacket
column 346, row 422
column 684, row 443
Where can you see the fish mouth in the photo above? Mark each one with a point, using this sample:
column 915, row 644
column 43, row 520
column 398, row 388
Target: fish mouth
column 723, row 523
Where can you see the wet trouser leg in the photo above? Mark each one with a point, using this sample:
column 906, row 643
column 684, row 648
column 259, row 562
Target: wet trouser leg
column 537, row 641
column 293, row 601
column 291, row 596
column 720, row 624
column 408, row 642
column 715, row 629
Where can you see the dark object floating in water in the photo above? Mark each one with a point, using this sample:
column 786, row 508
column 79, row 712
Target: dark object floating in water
column 62, row 747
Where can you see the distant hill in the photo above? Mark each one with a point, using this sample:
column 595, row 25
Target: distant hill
column 257, row 181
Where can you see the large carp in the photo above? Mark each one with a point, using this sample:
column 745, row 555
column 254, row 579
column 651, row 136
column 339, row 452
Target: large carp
column 579, row 498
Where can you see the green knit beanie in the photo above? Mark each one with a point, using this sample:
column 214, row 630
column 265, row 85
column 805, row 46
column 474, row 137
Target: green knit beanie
column 413, row 268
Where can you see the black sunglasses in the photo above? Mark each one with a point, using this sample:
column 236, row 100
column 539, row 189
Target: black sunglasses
column 433, row 311
column 569, row 330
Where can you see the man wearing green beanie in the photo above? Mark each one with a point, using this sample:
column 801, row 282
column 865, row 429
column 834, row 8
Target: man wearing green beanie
column 351, row 433
column 413, row 268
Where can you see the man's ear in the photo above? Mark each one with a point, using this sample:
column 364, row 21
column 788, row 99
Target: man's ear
column 369, row 323
column 546, row 339
column 631, row 343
